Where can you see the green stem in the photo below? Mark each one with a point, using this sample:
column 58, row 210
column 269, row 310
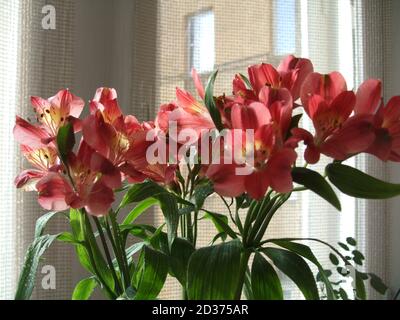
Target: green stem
column 120, row 251
column 259, row 235
column 263, row 210
column 86, row 227
column 244, row 260
column 108, row 256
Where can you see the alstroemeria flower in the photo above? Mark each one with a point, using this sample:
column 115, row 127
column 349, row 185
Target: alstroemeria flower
column 36, row 149
column 94, row 179
column 87, row 182
column 27, row 134
column 56, row 111
column 290, row 75
column 386, row 120
column 163, row 116
column 191, row 113
column 122, row 139
column 329, row 105
column 271, row 167
column 108, row 131
column 159, row 169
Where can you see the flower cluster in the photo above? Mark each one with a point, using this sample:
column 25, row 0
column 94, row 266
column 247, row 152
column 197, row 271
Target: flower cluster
column 114, row 147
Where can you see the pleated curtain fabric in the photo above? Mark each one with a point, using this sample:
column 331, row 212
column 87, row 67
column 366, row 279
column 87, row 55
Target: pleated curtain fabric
column 39, row 62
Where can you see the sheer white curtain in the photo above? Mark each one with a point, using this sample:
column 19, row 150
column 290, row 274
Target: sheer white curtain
column 33, row 61
column 145, row 49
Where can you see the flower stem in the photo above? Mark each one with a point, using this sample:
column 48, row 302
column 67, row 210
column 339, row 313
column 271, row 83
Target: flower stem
column 86, row 228
column 108, row 256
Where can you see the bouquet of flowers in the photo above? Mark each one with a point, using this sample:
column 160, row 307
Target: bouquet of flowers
column 243, row 147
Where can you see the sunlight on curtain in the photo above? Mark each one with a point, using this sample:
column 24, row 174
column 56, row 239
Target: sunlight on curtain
column 9, row 33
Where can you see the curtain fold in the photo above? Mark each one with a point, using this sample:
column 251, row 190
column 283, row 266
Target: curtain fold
column 43, row 65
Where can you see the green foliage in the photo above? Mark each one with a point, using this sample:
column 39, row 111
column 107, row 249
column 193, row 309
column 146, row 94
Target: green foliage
column 296, row 269
column 356, row 183
column 265, row 282
column 315, row 182
column 210, row 103
column 65, row 141
column 84, row 289
column 213, row 272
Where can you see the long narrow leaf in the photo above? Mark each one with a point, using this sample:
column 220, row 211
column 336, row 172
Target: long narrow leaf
column 265, row 282
column 27, row 277
column 356, row 183
column 296, row 269
column 316, row 183
column 153, row 272
column 213, row 272
column 306, row 252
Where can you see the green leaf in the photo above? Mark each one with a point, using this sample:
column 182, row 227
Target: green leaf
column 334, row 259
column 357, row 184
column 265, row 282
column 358, row 257
column 315, row 182
column 79, row 223
column 179, row 259
column 42, row 222
column 67, row 237
column 221, row 223
column 27, row 277
column 344, row 246
column 201, row 193
column 84, row 289
column 65, row 141
column 213, row 272
column 351, row 241
column 361, row 293
column 246, row 81
column 305, row 252
column 139, row 209
column 296, row 269
column 168, row 203
column 210, row 103
column 153, row 270
column 377, row 283
column 343, row 294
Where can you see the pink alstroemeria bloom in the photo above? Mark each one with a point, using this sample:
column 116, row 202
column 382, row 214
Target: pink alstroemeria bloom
column 58, row 110
column 121, row 139
column 108, row 131
column 42, row 155
column 386, row 120
column 271, row 168
column 272, row 165
column 191, row 113
column 329, row 105
column 290, row 75
column 93, row 180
